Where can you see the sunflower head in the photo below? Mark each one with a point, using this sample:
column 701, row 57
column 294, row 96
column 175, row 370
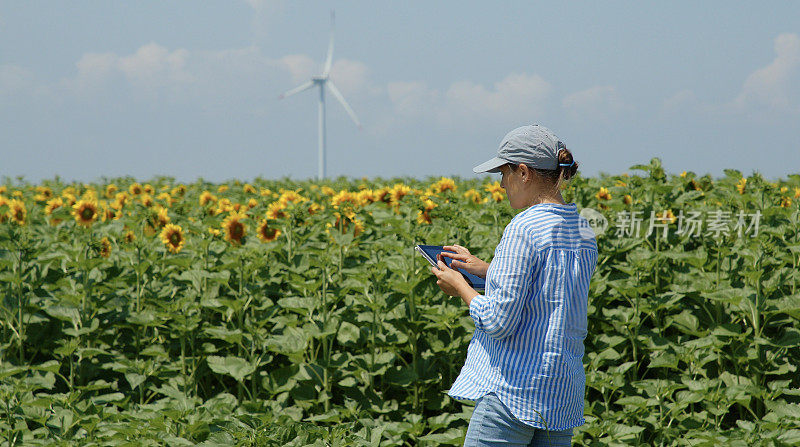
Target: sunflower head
column 234, row 228
column 43, row 194
column 267, row 234
column 275, row 210
column 248, row 189
column 603, row 194
column 206, row 197
column 667, row 217
column 423, row 217
column 474, row 196
column 17, row 211
column 444, row 184
column 172, row 237
column 135, row 189
column 179, row 190
column 129, row 237
column 786, row 202
column 741, row 185
column 85, row 212
column 105, row 247
column 147, row 200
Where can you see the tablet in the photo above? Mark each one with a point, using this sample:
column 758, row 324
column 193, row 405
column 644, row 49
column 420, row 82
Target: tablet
column 430, row 252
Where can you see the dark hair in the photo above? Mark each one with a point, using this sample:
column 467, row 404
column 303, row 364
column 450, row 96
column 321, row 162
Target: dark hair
column 560, row 173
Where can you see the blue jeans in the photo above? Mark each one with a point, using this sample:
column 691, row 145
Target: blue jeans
column 492, row 424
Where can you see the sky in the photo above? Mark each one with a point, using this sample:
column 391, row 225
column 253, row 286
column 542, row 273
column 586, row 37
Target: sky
column 185, row 89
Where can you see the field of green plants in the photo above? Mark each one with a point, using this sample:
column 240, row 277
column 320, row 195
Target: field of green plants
column 292, row 313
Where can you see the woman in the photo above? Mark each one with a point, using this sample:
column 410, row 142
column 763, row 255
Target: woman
column 524, row 363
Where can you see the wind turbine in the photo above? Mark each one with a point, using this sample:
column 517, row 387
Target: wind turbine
column 321, row 81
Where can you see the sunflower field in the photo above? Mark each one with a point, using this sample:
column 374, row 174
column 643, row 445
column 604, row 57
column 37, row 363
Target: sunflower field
column 288, row 313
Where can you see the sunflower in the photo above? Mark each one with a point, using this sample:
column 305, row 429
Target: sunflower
column 474, row 196
column 148, row 188
column 222, row 188
column 17, row 211
column 498, row 192
column 105, row 247
column 69, row 198
column 603, row 194
column 111, row 189
column 206, row 197
column 288, row 196
column 627, row 200
column 223, row 206
column 248, row 189
column 445, row 184
column 797, row 193
column 43, row 194
column 166, row 198
column 741, row 185
column 120, row 199
column 161, row 217
column 423, row 217
column 328, row 191
column 146, row 200
column 179, row 190
column 172, row 237
column 267, row 234
column 265, row 192
column 786, row 202
column 667, row 216
column 343, row 197
column 275, row 211
column 213, row 231
column 130, row 237
column 52, row 204
column 683, row 174
column 620, row 183
column 135, row 189
column 109, row 213
column 342, row 224
column 399, row 191
column 235, row 230
column 315, row 208
column 252, row 203
column 383, row 195
column 366, row 196
column 85, row 212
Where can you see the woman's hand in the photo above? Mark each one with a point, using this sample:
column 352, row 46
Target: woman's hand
column 453, row 283
column 463, row 259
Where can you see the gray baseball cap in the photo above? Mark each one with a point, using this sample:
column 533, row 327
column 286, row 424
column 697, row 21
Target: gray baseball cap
column 534, row 145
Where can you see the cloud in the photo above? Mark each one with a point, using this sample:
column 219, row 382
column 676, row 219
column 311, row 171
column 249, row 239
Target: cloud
column 515, row 95
column 775, row 86
column 600, row 102
column 300, row 66
column 352, row 77
column 153, row 63
column 412, row 99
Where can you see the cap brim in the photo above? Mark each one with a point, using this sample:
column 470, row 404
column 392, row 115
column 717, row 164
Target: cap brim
column 492, row 165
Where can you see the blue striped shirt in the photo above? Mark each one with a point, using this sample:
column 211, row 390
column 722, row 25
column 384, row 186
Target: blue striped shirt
column 530, row 324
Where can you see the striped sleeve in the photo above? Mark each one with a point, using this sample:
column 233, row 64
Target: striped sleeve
column 498, row 312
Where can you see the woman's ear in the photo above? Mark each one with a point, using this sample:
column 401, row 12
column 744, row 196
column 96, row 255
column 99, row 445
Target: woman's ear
column 525, row 172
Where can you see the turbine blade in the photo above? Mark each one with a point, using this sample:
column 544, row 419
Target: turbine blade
column 339, row 96
column 329, row 58
column 299, row 89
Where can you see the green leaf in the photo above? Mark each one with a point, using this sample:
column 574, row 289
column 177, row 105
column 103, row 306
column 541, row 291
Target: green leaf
column 235, row 367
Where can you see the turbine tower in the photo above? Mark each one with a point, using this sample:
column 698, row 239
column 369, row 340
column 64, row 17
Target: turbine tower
column 322, row 81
